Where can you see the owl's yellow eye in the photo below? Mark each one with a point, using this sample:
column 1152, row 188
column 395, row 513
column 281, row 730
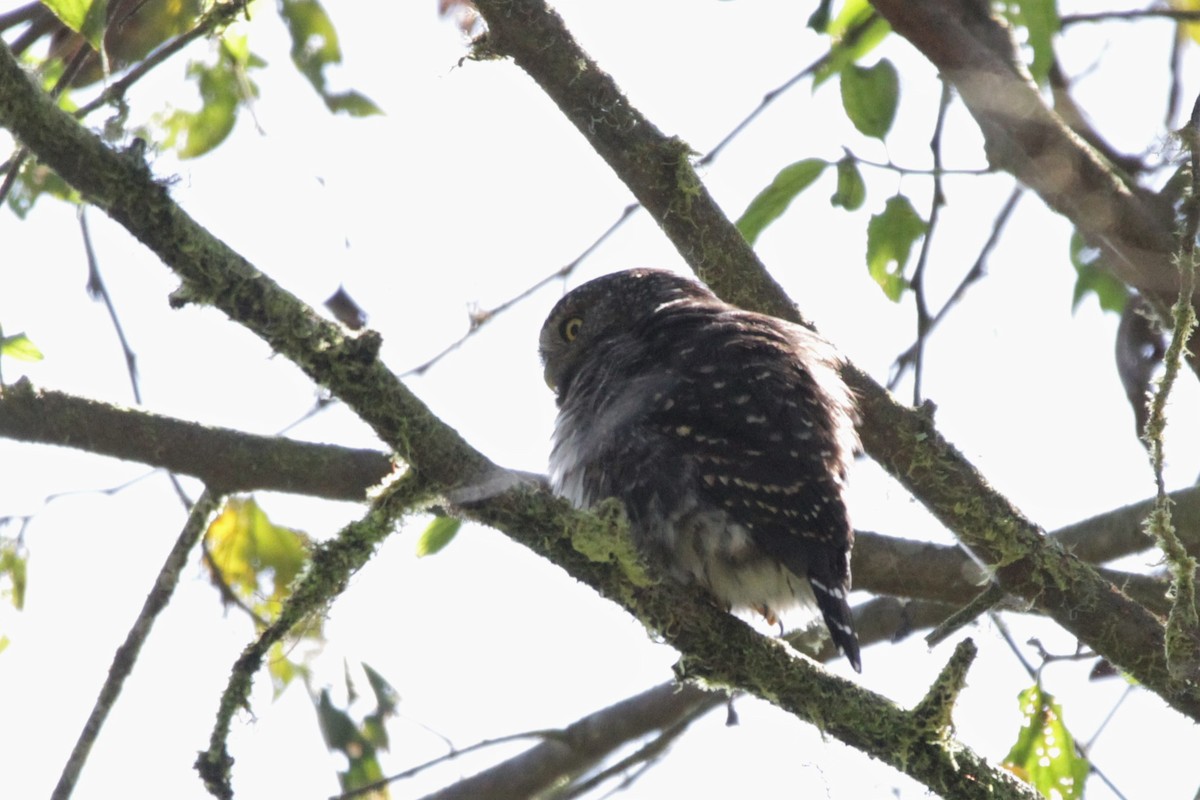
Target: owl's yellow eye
column 570, row 329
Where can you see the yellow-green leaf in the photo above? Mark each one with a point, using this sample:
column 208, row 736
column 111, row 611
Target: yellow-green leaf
column 437, row 535
column 855, row 31
column 870, row 96
column 85, row 17
column 282, row 669
column 890, row 237
column 315, row 46
column 255, row 557
column 1091, row 276
column 851, row 189
column 19, row 347
column 1044, row 754
column 223, row 90
column 12, row 572
column 772, row 201
column 1040, row 22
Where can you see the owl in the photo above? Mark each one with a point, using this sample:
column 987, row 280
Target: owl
column 726, row 434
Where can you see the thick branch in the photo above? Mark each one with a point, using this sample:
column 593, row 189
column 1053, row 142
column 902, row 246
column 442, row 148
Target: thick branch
column 584, row 743
column 718, row 648
column 904, row 441
column 975, row 52
column 226, row 460
column 212, row 273
column 231, row 460
column 1133, row 228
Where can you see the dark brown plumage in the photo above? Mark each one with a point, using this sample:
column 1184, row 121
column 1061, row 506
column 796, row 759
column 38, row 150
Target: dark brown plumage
column 727, row 435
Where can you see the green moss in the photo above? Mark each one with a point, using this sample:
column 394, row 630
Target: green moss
column 603, row 536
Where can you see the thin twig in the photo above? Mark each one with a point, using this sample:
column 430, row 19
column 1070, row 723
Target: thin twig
column 978, row 269
column 220, row 14
column 98, row 291
column 1130, row 16
column 479, row 319
column 454, row 753
column 1035, row 675
column 899, row 169
column 918, row 279
column 127, row 654
column 848, row 40
column 642, row 758
column 25, row 13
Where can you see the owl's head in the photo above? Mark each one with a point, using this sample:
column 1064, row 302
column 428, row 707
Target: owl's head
column 604, row 314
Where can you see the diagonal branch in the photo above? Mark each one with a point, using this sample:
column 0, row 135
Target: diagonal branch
column 1133, row 228
column 718, row 648
column 902, row 440
column 127, row 654
column 975, row 52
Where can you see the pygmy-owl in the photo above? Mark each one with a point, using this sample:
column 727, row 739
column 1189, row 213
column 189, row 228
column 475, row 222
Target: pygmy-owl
column 726, row 434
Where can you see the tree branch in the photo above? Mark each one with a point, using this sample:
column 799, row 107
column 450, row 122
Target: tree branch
column 902, row 440
column 127, row 654
column 230, row 461
column 718, row 648
column 1134, row 229
column 225, row 459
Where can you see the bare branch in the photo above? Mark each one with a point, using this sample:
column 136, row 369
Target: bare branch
column 225, row 459
column 127, row 654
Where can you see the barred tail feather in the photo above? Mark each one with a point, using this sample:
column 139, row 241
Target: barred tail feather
column 831, row 599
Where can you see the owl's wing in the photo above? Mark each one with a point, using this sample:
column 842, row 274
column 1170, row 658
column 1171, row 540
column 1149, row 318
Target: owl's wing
column 768, row 443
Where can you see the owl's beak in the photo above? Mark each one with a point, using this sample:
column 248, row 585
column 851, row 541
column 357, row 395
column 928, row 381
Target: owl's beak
column 549, row 380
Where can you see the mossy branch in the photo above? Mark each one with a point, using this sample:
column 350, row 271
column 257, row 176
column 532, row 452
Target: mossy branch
column 901, row 439
column 227, row 460
column 1183, row 624
column 330, row 569
column 718, row 647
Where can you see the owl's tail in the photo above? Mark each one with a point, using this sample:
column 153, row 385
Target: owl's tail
column 831, row 599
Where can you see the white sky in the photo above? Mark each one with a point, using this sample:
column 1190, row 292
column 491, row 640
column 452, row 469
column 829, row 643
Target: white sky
column 470, row 189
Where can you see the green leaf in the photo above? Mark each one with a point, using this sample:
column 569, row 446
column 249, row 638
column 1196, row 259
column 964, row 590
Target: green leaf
column 870, row 96
column 819, row 19
column 1092, row 278
column 13, row 573
column 1044, row 753
column 359, row 743
column 314, row 47
column 851, row 190
column 85, row 17
column 282, row 669
column 1040, row 21
column 374, row 725
column 437, row 535
column 890, row 237
column 223, row 87
column 19, row 347
column 772, row 201
column 855, row 31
